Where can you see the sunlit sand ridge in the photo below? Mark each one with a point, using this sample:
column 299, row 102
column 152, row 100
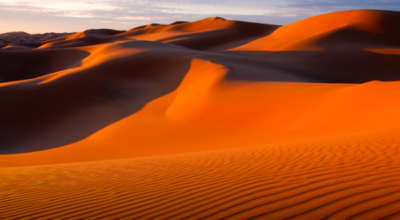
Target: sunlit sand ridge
column 213, row 119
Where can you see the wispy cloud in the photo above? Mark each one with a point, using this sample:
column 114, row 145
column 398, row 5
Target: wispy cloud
column 165, row 11
column 337, row 5
column 121, row 9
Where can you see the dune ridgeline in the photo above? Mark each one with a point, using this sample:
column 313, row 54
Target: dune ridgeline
column 212, row 119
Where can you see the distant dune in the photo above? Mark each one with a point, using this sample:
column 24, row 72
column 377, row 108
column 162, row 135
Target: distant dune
column 12, row 38
column 212, row 119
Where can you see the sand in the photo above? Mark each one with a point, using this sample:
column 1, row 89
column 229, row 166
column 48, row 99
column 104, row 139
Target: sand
column 212, row 119
column 23, row 39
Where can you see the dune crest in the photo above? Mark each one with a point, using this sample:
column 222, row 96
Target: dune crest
column 358, row 28
column 196, row 87
column 211, row 119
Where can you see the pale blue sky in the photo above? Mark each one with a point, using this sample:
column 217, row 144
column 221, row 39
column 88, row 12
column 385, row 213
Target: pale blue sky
column 38, row 16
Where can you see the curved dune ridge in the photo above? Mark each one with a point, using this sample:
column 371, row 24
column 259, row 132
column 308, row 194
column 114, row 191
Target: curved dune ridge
column 212, row 119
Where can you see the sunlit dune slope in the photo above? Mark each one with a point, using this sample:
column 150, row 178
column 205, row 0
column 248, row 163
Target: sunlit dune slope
column 353, row 177
column 212, row 119
column 351, row 29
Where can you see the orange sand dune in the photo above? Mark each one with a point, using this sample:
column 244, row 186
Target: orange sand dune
column 358, row 29
column 354, row 177
column 212, row 119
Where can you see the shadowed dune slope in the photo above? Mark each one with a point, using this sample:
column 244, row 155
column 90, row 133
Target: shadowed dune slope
column 21, row 65
column 212, row 119
column 115, row 81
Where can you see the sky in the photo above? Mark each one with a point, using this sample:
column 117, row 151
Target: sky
column 40, row 16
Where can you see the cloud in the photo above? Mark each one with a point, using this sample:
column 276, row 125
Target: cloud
column 139, row 12
column 121, row 9
column 335, row 5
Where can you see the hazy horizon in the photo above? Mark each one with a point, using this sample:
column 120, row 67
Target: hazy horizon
column 77, row 15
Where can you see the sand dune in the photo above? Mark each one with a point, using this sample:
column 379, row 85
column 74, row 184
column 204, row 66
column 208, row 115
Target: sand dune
column 12, row 40
column 354, row 177
column 212, row 119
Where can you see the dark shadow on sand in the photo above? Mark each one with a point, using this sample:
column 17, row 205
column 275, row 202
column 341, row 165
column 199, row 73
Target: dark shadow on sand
column 37, row 117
